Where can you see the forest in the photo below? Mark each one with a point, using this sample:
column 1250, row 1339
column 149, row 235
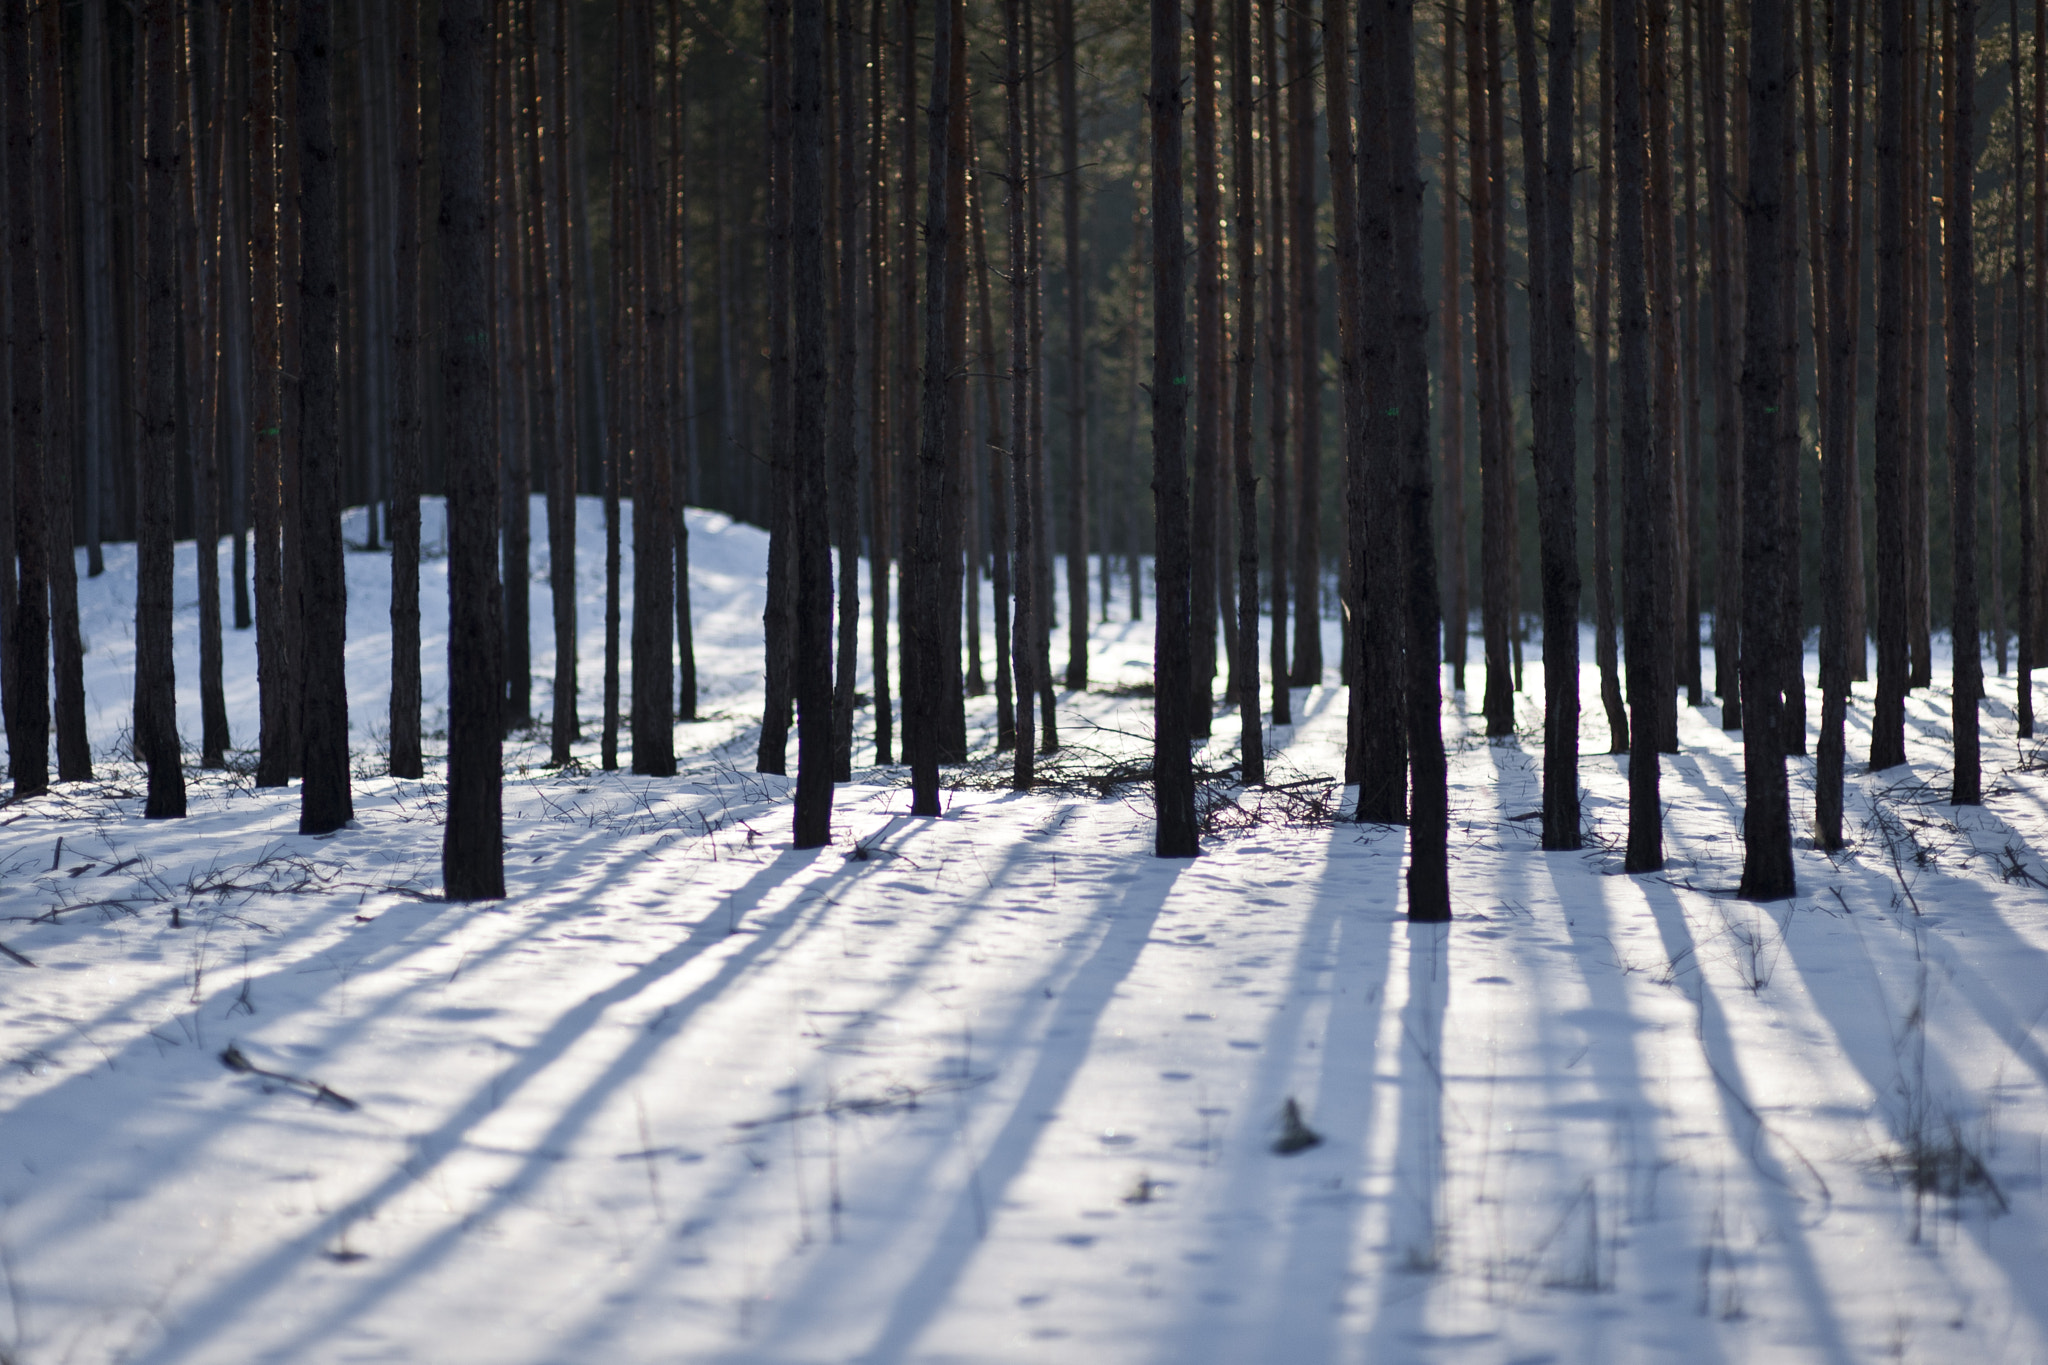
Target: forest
column 1438, row 539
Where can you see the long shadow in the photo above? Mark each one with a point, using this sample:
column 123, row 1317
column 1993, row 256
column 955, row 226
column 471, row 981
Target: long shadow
column 243, row 1293
column 1415, row 1214
column 1294, row 1274
column 1775, row 1186
column 1079, row 1010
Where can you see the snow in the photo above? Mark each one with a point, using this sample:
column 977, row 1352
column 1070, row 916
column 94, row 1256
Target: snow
column 1002, row 1086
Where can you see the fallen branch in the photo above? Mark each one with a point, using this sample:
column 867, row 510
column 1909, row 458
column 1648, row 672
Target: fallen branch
column 233, row 1060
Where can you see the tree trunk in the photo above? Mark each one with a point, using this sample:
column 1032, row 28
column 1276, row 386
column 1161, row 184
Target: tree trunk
column 884, row 436
column 67, row 649
column 2023, row 381
column 1959, row 235
column 779, row 623
column 199, row 234
column 924, row 633
column 324, row 799
column 1077, row 365
column 1644, row 614
column 1021, row 379
column 1834, row 327
column 1244, row 183
column 1603, row 311
column 812, row 657
column 1768, row 379
column 1173, row 779
column 406, row 759
column 1890, row 423
column 472, row 848
column 100, row 328
column 845, row 452
column 1452, row 332
column 1497, row 533
column 1722, row 200
column 1205, row 514
column 1307, row 346
column 1279, row 347
column 28, row 652
column 998, row 482
column 156, row 704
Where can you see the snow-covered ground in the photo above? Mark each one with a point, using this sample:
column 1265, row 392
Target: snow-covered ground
column 1002, row 1086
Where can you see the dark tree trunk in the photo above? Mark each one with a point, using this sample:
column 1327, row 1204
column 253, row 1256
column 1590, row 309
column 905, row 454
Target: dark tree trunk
column 28, row 644
column 98, row 414
column 1688, row 469
column 1959, row 235
column 952, row 695
column 778, row 623
column 1021, row 380
column 1173, row 779
column 682, row 434
column 1429, row 891
column 812, row 658
column 406, row 759
column 881, row 434
column 199, row 231
column 1890, row 424
column 1726, row 300
column 274, row 610
column 1279, row 347
column 1922, row 261
column 156, row 703
column 1077, row 365
column 237, row 356
column 845, row 443
column 1666, row 553
column 1497, row 533
column 1768, row 381
column 324, row 799
column 1452, row 334
column 559, row 349
column 1603, row 311
column 1208, row 378
column 1307, row 348
column 67, row 650
column 653, row 718
column 472, row 849
column 998, row 482
column 924, row 634
column 2023, row 379
column 1378, row 748
column 1244, row 183
column 1645, row 616
column 1835, row 328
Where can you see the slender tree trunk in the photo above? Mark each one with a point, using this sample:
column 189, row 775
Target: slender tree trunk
column 472, row 848
column 1689, row 360
column 514, row 390
column 101, row 331
column 199, row 233
column 1452, row 367
column 156, row 708
column 324, row 799
column 1173, row 779
column 1378, row 749
column 1244, row 183
column 1429, row 891
column 406, row 758
column 845, row 451
column 616, row 424
column 564, row 722
column 1021, row 379
column 1279, row 346
column 1667, row 555
column 1891, row 426
column 1834, row 327
column 1644, row 613
column 1722, row 199
column 1307, row 347
column 1768, row 379
column 779, row 621
column 998, row 483
column 1497, row 535
column 1924, row 262
column 1077, row 365
column 1603, row 311
column 924, row 539
column 952, row 688
column 884, row 436
column 28, row 643
column 2023, row 381
column 1205, row 514
column 67, row 649
column 1959, row 235
column 811, row 660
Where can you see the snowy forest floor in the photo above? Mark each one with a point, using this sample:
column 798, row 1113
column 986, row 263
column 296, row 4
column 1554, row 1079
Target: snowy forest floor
column 1002, row 1086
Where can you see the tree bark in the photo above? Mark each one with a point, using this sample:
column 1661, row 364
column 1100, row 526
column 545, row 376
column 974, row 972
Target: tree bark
column 67, row 650
column 406, row 759
column 1497, row 534
column 1429, row 892
column 1209, row 395
column 156, row 704
column 1452, row 366
column 779, row 623
column 1890, row 424
column 1279, row 348
column 1307, row 349
column 998, row 482
column 653, row 718
column 28, row 652
column 1645, row 615
column 1768, row 392
column 98, row 324
column 1173, row 779
column 1959, row 235
column 924, row 633
column 846, row 401
column 1021, row 380
column 1722, row 197
column 1244, row 182
column 1077, row 363
column 1835, row 324
column 2023, row 379
column 1603, row 312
